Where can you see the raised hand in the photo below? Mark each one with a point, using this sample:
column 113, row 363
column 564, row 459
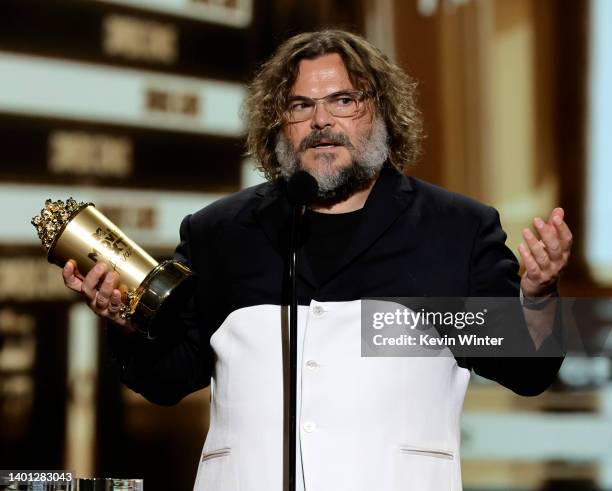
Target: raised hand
column 545, row 254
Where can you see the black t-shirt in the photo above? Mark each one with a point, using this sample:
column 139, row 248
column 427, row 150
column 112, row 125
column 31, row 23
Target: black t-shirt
column 328, row 236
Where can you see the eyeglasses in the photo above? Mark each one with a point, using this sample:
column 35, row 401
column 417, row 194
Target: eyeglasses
column 342, row 104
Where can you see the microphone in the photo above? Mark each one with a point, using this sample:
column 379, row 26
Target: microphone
column 302, row 188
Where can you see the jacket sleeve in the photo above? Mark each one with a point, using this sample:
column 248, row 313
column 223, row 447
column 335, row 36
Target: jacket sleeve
column 178, row 362
column 494, row 273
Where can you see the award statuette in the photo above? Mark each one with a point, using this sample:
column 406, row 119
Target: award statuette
column 79, row 231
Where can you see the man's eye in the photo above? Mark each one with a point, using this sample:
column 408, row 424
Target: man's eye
column 299, row 106
column 344, row 101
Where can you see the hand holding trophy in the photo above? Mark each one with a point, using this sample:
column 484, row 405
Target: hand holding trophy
column 119, row 280
column 100, row 289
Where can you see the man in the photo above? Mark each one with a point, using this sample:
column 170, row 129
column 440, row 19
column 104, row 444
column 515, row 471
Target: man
column 330, row 103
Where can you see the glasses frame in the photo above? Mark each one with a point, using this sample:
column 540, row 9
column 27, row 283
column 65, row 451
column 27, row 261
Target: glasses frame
column 360, row 96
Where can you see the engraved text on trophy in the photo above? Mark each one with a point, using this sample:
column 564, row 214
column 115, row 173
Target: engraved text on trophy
column 111, row 241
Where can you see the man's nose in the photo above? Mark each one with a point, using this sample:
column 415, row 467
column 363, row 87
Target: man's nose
column 321, row 117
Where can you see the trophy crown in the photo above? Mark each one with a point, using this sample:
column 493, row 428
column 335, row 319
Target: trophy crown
column 53, row 219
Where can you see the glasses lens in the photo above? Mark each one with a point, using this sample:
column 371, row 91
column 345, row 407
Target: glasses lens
column 342, row 104
column 300, row 110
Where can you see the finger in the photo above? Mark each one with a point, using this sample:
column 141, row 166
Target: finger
column 536, row 249
column 106, row 290
column 564, row 233
column 560, row 212
column 70, row 278
column 531, row 266
column 548, row 233
column 114, row 305
column 115, row 308
column 77, row 273
column 92, row 279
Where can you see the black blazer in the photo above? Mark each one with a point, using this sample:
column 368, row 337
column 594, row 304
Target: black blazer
column 415, row 240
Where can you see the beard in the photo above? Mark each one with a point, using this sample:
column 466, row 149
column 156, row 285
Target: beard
column 336, row 185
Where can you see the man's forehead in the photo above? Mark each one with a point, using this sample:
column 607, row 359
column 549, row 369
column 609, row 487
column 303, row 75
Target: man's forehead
column 321, row 76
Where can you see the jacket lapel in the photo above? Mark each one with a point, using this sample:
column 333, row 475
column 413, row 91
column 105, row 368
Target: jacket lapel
column 274, row 216
column 389, row 197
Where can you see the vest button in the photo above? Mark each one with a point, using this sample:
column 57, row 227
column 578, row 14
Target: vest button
column 318, row 311
column 309, row 427
column 312, row 364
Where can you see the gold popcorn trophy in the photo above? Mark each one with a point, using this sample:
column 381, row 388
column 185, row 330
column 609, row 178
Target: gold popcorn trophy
column 79, row 231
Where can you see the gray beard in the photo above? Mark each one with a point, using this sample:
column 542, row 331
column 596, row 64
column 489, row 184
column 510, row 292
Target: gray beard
column 337, row 185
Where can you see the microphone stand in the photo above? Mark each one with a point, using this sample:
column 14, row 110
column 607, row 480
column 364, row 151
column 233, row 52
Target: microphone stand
column 296, row 219
column 302, row 190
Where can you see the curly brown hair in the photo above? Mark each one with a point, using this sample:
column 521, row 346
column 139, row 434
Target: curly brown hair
column 394, row 94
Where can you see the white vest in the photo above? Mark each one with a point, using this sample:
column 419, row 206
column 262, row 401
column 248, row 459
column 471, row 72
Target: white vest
column 364, row 424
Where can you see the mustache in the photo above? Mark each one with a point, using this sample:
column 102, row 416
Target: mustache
column 317, row 135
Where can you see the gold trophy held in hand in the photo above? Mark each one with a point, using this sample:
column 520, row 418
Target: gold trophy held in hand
column 78, row 231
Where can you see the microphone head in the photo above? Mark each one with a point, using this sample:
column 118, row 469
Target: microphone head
column 302, row 188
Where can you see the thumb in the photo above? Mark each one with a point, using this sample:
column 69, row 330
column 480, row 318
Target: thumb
column 69, row 273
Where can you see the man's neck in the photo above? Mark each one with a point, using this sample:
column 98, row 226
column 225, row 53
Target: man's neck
column 354, row 202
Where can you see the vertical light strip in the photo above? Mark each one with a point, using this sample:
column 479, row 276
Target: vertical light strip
column 379, row 26
column 82, row 383
column 599, row 175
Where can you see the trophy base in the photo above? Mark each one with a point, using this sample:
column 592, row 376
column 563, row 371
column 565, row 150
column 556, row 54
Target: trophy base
column 164, row 288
